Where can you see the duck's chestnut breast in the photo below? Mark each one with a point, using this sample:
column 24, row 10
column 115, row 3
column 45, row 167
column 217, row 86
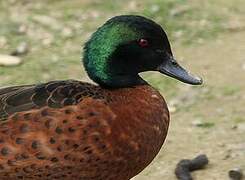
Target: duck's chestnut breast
column 140, row 126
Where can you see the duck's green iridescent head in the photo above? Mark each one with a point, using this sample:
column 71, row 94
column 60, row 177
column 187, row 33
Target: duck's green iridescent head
column 127, row 45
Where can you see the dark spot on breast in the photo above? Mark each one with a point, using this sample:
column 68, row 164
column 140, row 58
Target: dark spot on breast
column 92, row 113
column 35, row 144
column 48, row 123
column 103, row 146
column 89, row 152
column 24, row 128
column 54, row 159
column 67, row 157
column 85, row 132
column 6, row 131
column 69, row 167
column 10, row 162
column 59, row 148
column 40, row 156
column 71, row 129
column 33, row 166
column 105, row 162
column 67, row 142
column 75, row 146
column 1, row 141
column 24, row 155
column 1, row 167
column 38, row 175
column 17, row 170
column 58, row 130
column 44, row 112
column 91, row 126
column 79, row 117
column 18, row 157
column 65, row 121
column 27, row 169
column 68, row 111
column 19, row 140
column 4, row 151
column 52, row 140
column 86, row 148
column 89, row 161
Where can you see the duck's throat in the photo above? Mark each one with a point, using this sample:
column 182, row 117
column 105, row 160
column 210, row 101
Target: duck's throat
column 120, row 81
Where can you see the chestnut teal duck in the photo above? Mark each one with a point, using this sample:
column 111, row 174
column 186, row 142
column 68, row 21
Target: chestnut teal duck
column 75, row 130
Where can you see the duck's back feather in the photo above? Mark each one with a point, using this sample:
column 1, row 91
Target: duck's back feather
column 55, row 94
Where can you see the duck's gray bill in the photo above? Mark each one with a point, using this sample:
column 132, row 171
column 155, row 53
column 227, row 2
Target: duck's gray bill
column 171, row 68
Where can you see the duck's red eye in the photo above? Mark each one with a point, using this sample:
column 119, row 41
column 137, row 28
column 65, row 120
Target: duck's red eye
column 143, row 43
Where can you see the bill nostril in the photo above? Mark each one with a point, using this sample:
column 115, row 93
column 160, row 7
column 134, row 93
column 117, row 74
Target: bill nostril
column 174, row 62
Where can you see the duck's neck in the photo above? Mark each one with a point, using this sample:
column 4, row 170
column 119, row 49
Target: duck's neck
column 119, row 81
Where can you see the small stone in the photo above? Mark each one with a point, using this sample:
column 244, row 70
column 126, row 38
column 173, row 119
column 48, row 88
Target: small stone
column 200, row 41
column 94, row 14
column 178, row 34
column 235, row 174
column 47, row 21
column 67, row 32
column 154, row 8
column 220, row 110
column 221, row 144
column 179, row 10
column 21, row 49
column 7, row 60
column 76, row 25
column 54, row 58
column 46, row 76
column 243, row 67
column 203, row 22
column 197, row 122
column 12, row 1
column 3, row 41
column 22, row 29
column 227, row 155
column 241, row 126
column 234, row 127
column 47, row 41
column 235, row 25
column 200, row 123
column 132, row 5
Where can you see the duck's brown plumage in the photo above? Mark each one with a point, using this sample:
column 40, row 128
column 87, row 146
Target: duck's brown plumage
column 75, row 130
